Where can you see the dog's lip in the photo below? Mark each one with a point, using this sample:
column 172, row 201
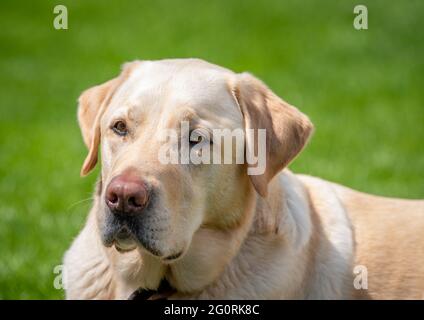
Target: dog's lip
column 174, row 256
column 157, row 254
column 124, row 241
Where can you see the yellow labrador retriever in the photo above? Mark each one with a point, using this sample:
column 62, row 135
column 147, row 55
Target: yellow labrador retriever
column 213, row 230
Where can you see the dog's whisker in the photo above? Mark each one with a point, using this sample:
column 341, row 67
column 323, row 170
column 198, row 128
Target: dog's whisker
column 79, row 202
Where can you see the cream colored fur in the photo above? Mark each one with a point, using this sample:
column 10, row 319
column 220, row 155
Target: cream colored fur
column 275, row 236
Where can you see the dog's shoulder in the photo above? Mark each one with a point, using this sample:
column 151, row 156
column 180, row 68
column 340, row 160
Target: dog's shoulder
column 336, row 246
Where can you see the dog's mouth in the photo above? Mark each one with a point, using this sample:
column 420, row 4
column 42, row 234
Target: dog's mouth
column 124, row 240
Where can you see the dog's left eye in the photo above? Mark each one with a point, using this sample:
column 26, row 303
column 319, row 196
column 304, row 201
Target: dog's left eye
column 120, row 128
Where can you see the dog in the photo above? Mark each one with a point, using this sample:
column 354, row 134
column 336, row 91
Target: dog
column 213, row 231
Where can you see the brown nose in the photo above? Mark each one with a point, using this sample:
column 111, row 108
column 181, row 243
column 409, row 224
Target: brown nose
column 126, row 194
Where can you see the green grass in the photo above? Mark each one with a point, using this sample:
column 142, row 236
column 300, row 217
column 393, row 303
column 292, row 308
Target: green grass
column 362, row 89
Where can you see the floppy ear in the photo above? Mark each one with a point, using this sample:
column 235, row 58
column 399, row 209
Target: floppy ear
column 287, row 129
column 91, row 106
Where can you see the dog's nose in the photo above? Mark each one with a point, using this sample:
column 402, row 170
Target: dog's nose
column 126, row 194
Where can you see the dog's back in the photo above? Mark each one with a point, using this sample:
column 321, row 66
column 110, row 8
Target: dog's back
column 389, row 236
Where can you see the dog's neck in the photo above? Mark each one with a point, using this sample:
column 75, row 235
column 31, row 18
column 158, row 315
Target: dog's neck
column 282, row 221
column 267, row 223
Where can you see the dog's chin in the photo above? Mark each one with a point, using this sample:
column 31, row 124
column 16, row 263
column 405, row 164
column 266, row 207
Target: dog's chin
column 121, row 239
column 124, row 241
column 130, row 244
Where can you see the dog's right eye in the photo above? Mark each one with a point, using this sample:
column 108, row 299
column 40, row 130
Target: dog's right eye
column 120, row 128
column 198, row 137
column 193, row 141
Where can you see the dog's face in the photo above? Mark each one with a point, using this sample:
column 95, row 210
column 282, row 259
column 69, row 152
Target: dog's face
column 173, row 107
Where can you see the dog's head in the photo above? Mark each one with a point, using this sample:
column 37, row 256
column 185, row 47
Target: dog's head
column 166, row 171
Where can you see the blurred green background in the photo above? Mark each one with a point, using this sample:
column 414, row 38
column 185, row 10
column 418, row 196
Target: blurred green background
column 364, row 90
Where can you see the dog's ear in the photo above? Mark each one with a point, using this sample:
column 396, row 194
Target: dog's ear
column 91, row 106
column 287, row 129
